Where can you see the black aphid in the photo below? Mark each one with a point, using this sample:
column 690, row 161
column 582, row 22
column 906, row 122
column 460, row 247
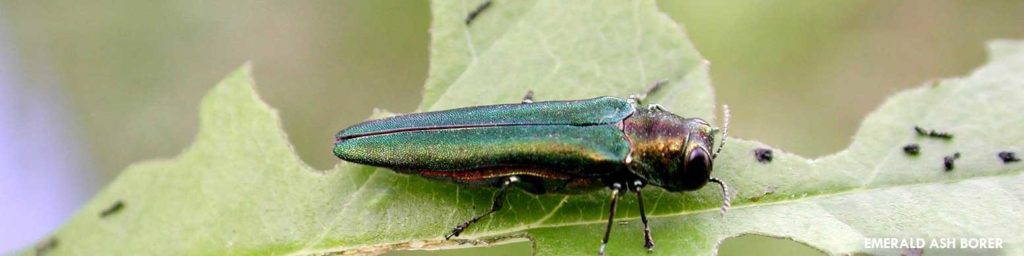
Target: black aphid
column 912, row 149
column 763, row 155
column 948, row 160
column 932, row 133
column 476, row 12
column 1008, row 157
column 112, row 209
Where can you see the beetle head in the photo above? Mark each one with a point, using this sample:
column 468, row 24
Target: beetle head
column 669, row 151
column 696, row 162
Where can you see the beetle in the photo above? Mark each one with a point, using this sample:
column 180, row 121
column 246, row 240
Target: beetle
column 563, row 147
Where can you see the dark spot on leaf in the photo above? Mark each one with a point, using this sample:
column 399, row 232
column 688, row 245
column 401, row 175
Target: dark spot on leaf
column 112, row 209
column 932, row 133
column 46, row 246
column 948, row 160
column 920, row 131
column 763, row 155
column 1008, row 157
column 476, row 12
column 912, row 149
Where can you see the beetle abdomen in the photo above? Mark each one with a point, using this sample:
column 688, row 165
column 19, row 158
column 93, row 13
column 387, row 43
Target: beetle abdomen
column 531, row 179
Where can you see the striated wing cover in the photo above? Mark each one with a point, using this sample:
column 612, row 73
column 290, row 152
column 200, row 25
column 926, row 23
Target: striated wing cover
column 574, row 149
column 578, row 137
column 600, row 110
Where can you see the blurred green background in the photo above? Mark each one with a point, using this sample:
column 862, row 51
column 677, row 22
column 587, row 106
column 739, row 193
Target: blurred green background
column 128, row 75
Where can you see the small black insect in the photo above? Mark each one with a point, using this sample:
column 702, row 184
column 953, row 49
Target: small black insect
column 948, row 160
column 476, row 12
column 920, row 131
column 932, row 133
column 912, row 149
column 1008, row 157
column 112, row 209
column 763, row 155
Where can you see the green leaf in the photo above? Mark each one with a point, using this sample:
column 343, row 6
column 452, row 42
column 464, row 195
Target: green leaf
column 240, row 188
column 561, row 50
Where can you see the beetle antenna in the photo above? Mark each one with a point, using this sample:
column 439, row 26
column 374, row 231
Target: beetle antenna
column 725, row 131
column 726, row 198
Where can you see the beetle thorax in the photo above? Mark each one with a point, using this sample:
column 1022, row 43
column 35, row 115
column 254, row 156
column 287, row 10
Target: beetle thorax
column 657, row 140
column 660, row 142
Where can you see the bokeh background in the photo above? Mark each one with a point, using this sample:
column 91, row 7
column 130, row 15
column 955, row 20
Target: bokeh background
column 89, row 87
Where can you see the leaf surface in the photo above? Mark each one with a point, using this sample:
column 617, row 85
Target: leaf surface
column 240, row 188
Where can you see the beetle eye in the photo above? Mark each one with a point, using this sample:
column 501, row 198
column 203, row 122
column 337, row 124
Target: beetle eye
column 697, row 170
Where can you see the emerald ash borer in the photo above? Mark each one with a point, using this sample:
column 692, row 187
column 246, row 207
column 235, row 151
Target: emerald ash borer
column 564, row 147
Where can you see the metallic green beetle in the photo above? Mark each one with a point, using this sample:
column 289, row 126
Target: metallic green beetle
column 545, row 147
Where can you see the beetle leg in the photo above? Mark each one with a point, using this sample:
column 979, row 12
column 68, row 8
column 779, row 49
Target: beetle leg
column 499, row 201
column 528, row 98
column 650, row 90
column 726, row 199
column 655, row 87
column 648, row 240
column 611, row 217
